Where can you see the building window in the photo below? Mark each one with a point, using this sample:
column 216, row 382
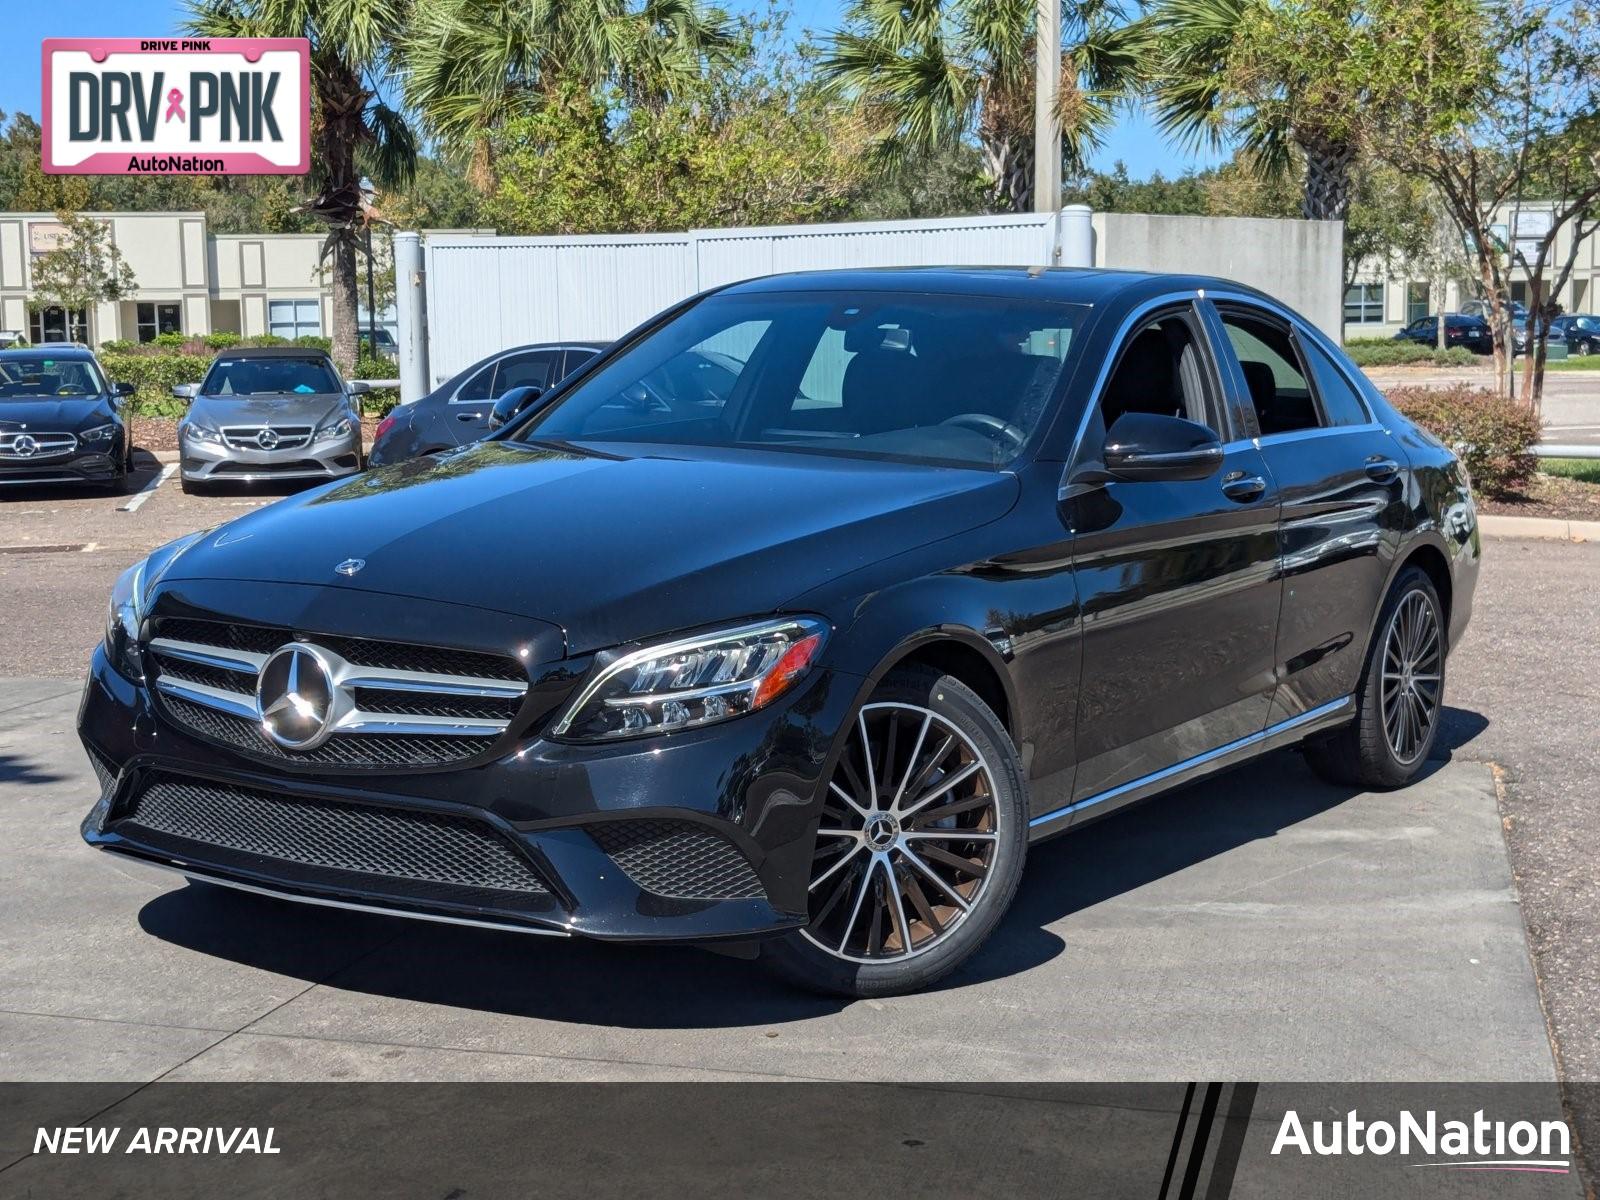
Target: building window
column 1363, row 304
column 1416, row 301
column 159, row 318
column 294, row 318
column 55, row 324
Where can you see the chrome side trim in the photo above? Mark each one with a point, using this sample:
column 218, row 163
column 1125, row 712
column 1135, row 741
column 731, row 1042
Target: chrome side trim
column 200, row 876
column 1323, row 715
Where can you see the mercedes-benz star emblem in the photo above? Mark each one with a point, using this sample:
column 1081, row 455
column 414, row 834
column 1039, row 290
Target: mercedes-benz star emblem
column 295, row 695
column 267, row 439
column 24, row 446
column 350, row 566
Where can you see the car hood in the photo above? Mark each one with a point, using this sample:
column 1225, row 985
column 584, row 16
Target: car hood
column 310, row 409
column 56, row 414
column 611, row 547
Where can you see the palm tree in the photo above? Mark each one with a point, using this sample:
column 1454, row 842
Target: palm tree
column 353, row 132
column 473, row 65
column 1279, row 79
column 930, row 74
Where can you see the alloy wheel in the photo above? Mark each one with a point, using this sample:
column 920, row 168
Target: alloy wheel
column 908, row 837
column 1413, row 657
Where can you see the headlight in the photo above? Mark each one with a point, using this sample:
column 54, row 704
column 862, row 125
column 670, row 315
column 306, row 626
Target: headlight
column 122, row 622
column 100, row 433
column 196, row 432
column 334, row 429
column 695, row 681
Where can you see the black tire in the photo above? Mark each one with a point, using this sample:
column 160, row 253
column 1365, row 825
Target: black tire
column 926, row 933
column 1585, row 347
column 190, row 487
column 1364, row 753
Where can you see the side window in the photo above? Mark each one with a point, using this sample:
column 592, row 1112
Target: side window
column 1278, row 388
column 478, row 387
column 1340, row 404
column 1160, row 371
column 525, row 370
column 574, row 360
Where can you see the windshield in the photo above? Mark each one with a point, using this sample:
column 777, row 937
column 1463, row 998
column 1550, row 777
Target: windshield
column 31, row 377
column 269, row 377
column 890, row 375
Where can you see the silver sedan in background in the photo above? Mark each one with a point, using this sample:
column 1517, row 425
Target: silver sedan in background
column 269, row 413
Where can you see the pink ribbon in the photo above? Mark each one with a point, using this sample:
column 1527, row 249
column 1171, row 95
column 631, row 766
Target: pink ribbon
column 175, row 105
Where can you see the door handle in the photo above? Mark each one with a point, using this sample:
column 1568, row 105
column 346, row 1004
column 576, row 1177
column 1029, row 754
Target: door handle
column 1382, row 469
column 1244, row 488
column 469, row 416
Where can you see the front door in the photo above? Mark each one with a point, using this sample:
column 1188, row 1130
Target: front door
column 1178, row 581
column 473, row 402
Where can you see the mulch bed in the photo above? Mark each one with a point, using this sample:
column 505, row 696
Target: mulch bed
column 1550, row 496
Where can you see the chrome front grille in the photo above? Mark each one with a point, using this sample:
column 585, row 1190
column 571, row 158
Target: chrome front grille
column 277, row 437
column 26, row 446
column 394, row 705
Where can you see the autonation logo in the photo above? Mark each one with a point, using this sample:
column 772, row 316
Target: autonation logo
column 1478, row 1144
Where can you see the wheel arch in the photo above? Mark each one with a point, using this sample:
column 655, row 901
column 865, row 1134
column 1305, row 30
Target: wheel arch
column 964, row 654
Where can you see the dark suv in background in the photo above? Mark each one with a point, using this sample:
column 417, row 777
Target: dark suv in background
column 61, row 419
column 1467, row 332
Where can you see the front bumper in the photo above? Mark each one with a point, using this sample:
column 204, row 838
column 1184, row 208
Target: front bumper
column 604, row 834
column 97, row 466
column 325, row 458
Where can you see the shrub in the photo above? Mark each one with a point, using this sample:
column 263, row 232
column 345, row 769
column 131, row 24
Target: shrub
column 381, row 400
column 1382, row 352
column 1492, row 434
column 117, row 346
column 312, row 341
column 264, row 339
column 155, row 375
column 220, row 340
column 168, row 341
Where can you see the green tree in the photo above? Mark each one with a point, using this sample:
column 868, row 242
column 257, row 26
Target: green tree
column 353, row 132
column 472, row 67
column 934, row 73
column 83, row 270
column 1283, row 79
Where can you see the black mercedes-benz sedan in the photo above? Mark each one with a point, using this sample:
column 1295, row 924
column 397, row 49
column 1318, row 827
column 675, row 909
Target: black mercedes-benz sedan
column 964, row 558
column 61, row 419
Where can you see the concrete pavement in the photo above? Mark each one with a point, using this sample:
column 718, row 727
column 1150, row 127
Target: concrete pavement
column 1262, row 925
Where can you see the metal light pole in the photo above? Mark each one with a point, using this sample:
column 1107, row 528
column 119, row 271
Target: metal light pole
column 1046, row 128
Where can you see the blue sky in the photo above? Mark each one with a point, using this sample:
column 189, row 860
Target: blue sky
column 26, row 25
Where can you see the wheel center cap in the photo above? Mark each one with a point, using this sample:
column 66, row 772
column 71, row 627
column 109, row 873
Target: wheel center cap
column 881, row 831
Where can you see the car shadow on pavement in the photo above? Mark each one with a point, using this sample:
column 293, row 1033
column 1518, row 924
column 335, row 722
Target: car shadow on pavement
column 664, row 987
column 16, row 769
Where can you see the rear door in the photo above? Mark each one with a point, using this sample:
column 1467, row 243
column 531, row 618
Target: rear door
column 1178, row 580
column 471, row 405
column 1342, row 479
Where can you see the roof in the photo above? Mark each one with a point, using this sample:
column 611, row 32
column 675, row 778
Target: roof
column 54, row 349
column 273, row 352
column 1069, row 285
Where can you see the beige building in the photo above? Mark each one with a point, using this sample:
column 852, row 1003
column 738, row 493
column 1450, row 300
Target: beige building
column 188, row 280
column 1382, row 300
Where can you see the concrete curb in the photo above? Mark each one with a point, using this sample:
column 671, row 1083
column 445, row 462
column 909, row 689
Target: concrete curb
column 1555, row 528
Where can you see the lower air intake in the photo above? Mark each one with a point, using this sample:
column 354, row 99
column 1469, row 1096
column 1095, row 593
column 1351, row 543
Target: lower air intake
column 678, row 860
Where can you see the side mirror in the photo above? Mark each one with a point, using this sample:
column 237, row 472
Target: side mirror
column 123, row 389
column 186, row 391
column 357, row 387
column 1148, row 447
column 512, row 404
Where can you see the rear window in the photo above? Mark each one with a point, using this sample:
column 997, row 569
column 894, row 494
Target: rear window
column 270, row 377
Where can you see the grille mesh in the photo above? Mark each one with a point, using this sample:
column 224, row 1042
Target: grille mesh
column 103, row 773
column 330, row 836
column 374, row 750
column 678, row 860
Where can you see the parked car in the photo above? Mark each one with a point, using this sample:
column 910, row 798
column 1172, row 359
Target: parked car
column 379, row 343
column 1519, row 320
column 1469, row 332
column 967, row 558
column 61, row 419
column 458, row 410
column 1581, row 332
column 272, row 412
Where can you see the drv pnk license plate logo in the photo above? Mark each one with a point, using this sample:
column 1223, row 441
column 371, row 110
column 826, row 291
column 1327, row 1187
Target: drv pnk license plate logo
column 171, row 106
